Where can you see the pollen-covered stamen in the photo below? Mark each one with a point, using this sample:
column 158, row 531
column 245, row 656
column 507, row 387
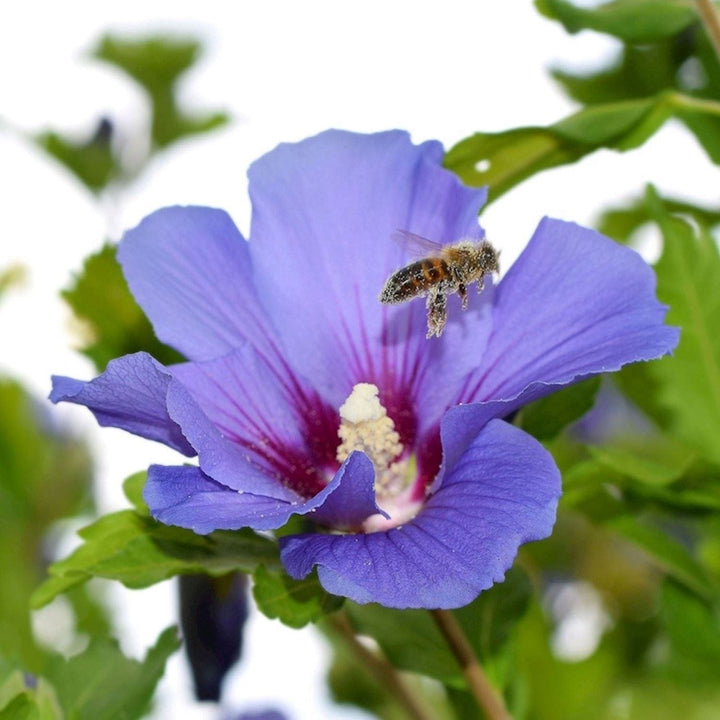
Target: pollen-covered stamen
column 365, row 426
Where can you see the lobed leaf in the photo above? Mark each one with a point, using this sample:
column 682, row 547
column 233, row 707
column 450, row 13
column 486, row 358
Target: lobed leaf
column 102, row 684
column 139, row 552
column 688, row 382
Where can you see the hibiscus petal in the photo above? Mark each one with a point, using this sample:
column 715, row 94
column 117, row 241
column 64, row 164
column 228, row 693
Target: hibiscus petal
column 131, row 395
column 186, row 497
column 222, row 459
column 353, row 501
column 574, row 304
column 501, row 492
column 324, row 211
column 189, row 269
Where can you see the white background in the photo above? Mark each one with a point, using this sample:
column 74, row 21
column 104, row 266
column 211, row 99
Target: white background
column 284, row 70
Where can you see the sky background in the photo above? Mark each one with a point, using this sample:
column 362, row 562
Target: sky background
column 284, row 70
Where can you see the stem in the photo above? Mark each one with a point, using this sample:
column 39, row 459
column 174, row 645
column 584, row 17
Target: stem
column 710, row 21
column 687, row 102
column 380, row 668
column 485, row 694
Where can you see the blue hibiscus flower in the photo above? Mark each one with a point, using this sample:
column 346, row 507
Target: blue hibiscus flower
column 303, row 394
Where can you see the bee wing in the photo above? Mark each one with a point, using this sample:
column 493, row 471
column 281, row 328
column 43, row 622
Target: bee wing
column 416, row 246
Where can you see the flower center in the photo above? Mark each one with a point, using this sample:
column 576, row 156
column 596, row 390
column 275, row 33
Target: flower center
column 366, row 426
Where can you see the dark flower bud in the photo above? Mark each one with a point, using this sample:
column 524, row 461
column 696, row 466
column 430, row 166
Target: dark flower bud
column 213, row 611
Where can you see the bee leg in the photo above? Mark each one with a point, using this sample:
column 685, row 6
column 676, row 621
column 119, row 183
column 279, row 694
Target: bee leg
column 462, row 292
column 481, row 283
column 437, row 313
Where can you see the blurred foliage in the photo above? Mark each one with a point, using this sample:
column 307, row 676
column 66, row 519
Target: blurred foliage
column 667, row 68
column 637, row 21
column 138, row 551
column 45, row 476
column 156, row 64
column 547, row 417
column 117, row 326
column 411, row 640
column 621, row 223
column 11, row 277
column 98, row 684
column 91, row 161
column 689, row 381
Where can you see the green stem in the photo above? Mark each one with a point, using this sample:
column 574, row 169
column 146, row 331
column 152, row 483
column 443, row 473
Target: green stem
column 379, row 667
column 485, row 694
column 687, row 102
column 710, row 21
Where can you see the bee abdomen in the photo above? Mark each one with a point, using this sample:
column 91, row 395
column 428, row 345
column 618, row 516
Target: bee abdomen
column 414, row 280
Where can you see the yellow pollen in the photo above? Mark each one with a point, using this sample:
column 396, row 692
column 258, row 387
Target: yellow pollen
column 365, row 426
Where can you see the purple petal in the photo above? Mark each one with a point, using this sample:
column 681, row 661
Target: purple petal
column 131, row 395
column 574, row 304
column 190, row 270
column 324, row 211
column 186, row 497
column 501, row 492
column 354, row 499
column 220, row 457
column 240, row 411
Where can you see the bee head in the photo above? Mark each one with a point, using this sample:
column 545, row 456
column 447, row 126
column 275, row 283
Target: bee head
column 489, row 259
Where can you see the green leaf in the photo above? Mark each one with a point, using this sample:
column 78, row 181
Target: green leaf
column 351, row 680
column 100, row 297
column 688, row 382
column 667, row 554
column 409, row 639
column 138, row 551
column 654, row 460
column 620, row 223
column 102, row 684
column 21, row 707
column 693, row 628
column 18, row 699
column 294, row 602
column 502, row 160
column 638, row 21
column 157, row 63
column 90, row 160
column 490, row 621
column 44, row 476
column 133, row 488
column 640, row 71
column 547, row 417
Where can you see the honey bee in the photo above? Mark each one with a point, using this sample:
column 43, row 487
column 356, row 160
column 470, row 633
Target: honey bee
column 446, row 269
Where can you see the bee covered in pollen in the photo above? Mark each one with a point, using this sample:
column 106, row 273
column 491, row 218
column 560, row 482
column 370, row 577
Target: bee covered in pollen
column 444, row 270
